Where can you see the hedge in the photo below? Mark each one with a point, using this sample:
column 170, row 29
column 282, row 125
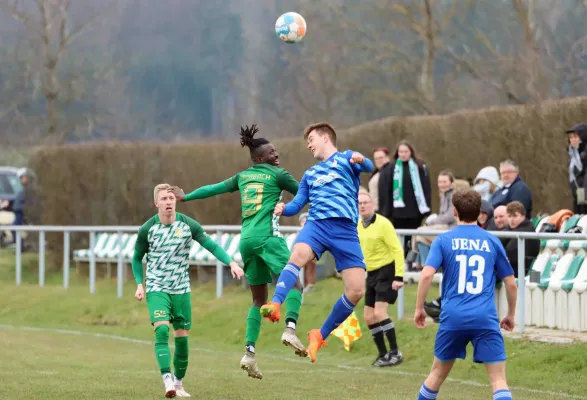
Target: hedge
column 111, row 183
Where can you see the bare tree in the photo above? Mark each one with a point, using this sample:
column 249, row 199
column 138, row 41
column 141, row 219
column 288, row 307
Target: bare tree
column 50, row 32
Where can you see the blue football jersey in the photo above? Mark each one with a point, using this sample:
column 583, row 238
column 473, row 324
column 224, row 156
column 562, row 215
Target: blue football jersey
column 332, row 189
column 471, row 259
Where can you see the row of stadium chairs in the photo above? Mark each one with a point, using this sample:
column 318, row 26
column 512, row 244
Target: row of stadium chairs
column 106, row 249
column 556, row 299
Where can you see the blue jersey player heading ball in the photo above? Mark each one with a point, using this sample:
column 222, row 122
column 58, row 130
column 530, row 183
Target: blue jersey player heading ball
column 471, row 260
column 332, row 189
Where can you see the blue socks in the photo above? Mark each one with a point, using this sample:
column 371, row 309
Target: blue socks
column 427, row 394
column 503, row 394
column 341, row 310
column 287, row 279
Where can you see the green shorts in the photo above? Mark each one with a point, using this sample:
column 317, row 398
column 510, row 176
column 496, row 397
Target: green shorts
column 263, row 256
column 175, row 308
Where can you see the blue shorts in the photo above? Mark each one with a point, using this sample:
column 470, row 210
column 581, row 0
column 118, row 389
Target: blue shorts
column 337, row 235
column 488, row 345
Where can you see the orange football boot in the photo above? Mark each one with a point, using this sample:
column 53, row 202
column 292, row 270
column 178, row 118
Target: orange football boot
column 315, row 342
column 271, row 311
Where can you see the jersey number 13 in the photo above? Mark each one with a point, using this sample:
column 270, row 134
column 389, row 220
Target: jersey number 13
column 477, row 265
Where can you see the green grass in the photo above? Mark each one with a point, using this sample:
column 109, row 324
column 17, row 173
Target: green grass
column 50, row 364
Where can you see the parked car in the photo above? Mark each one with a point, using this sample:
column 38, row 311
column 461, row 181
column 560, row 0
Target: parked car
column 9, row 185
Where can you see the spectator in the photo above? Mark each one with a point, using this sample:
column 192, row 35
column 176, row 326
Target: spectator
column 514, row 189
column 486, row 182
column 518, row 222
column 577, row 139
column 381, row 158
column 310, row 268
column 443, row 221
column 486, row 214
column 404, row 189
column 460, row 183
column 500, row 219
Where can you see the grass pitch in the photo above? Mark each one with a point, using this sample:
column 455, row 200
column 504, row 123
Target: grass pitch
column 61, row 343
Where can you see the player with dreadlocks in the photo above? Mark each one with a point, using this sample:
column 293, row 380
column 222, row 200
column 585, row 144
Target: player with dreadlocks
column 263, row 249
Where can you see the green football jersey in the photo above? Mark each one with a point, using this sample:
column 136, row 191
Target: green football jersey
column 168, row 248
column 261, row 189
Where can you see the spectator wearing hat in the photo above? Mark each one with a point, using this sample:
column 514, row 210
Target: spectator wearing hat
column 310, row 268
column 577, row 140
column 486, row 182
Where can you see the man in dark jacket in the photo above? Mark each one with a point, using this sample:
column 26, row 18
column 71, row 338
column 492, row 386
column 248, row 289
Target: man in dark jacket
column 519, row 223
column 514, row 189
column 577, row 149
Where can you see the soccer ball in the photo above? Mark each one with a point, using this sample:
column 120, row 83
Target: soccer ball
column 290, row 27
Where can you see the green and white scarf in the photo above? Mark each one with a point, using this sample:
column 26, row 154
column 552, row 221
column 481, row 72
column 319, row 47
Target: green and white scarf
column 398, row 189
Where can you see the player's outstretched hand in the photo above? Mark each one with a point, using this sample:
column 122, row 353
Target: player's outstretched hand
column 279, row 207
column 140, row 293
column 508, row 323
column 396, row 285
column 357, row 158
column 420, row 318
column 177, row 192
column 236, row 271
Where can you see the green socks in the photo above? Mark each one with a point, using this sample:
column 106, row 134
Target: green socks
column 253, row 326
column 180, row 357
column 162, row 348
column 293, row 303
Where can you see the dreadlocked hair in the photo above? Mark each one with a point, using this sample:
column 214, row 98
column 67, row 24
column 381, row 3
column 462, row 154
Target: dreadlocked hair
column 247, row 139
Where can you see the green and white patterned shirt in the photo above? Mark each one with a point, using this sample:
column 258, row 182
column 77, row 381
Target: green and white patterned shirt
column 168, row 248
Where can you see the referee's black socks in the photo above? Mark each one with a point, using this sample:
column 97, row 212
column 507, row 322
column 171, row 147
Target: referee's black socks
column 378, row 338
column 388, row 329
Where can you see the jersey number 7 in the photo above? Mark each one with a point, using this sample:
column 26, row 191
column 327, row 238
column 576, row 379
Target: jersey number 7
column 477, row 264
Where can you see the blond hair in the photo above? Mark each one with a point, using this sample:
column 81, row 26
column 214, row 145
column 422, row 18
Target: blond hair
column 160, row 187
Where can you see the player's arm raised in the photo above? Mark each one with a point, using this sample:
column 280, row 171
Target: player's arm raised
column 227, row 186
column 359, row 162
column 218, row 252
column 141, row 248
column 298, row 202
column 433, row 262
column 287, row 182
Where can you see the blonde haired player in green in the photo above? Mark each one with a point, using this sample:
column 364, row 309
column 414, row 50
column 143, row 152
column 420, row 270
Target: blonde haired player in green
column 167, row 239
column 263, row 249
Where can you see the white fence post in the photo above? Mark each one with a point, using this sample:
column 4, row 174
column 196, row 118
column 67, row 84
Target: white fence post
column 92, row 262
column 521, row 303
column 66, row 250
column 42, row 258
column 18, row 258
column 219, row 271
column 120, row 267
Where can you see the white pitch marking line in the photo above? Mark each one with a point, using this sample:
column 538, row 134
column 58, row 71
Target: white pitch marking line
column 323, row 367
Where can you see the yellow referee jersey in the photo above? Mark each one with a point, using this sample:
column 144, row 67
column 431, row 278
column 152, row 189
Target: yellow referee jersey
column 380, row 244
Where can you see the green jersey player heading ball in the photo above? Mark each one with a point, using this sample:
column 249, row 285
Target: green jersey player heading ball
column 167, row 239
column 263, row 250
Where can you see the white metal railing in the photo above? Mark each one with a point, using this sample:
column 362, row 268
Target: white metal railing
column 220, row 229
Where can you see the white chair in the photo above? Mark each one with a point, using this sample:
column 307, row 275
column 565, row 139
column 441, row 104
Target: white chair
column 537, row 298
column 539, row 265
column 559, row 272
column 574, row 297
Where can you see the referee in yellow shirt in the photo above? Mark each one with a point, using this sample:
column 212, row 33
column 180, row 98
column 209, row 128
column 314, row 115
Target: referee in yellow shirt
column 384, row 257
